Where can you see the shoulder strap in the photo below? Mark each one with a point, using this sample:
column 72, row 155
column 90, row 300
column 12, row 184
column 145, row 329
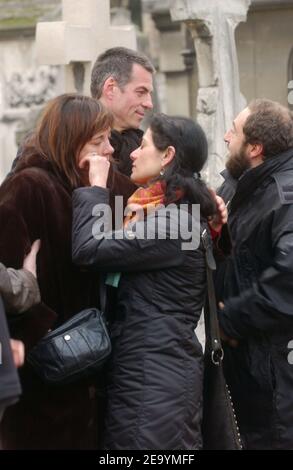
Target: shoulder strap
column 213, row 340
column 103, row 293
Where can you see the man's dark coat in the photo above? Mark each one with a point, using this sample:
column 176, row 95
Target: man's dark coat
column 256, row 286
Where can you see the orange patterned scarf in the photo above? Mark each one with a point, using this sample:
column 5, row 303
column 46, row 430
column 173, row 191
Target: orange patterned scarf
column 145, row 200
column 142, row 201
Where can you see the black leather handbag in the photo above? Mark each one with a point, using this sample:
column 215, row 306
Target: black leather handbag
column 219, row 427
column 75, row 350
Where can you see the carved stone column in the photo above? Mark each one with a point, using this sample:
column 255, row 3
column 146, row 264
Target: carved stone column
column 212, row 24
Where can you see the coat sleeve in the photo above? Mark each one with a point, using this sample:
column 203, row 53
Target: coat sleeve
column 19, row 223
column 121, row 250
column 10, row 385
column 19, row 289
column 267, row 305
column 120, row 187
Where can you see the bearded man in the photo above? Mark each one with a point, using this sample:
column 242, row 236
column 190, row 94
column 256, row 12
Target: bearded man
column 254, row 283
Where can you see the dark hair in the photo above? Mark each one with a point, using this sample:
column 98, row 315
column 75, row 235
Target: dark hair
column 269, row 124
column 67, row 124
column 190, row 143
column 116, row 62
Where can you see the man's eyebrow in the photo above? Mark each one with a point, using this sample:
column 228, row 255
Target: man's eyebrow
column 147, row 90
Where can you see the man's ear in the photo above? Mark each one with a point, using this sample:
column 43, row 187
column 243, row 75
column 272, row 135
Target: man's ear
column 169, row 155
column 256, row 151
column 108, row 88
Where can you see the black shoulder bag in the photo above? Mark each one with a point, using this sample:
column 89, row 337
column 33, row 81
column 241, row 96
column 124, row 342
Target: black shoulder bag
column 219, row 427
column 75, row 350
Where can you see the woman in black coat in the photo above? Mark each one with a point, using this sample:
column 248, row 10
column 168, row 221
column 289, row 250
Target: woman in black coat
column 155, row 375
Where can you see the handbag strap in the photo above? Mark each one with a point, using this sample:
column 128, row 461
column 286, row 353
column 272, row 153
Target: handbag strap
column 103, row 293
column 213, row 339
column 211, row 318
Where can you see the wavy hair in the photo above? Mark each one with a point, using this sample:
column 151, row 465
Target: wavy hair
column 67, row 124
column 270, row 124
column 191, row 153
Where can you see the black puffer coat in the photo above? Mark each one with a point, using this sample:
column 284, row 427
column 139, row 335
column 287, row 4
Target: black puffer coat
column 155, row 375
column 257, row 290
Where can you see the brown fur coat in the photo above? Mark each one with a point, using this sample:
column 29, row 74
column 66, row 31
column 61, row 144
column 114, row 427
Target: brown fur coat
column 35, row 202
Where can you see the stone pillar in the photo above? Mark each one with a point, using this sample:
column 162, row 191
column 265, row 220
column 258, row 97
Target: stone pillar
column 212, row 24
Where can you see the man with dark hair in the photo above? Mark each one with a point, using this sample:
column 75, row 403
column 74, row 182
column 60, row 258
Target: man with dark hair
column 254, row 283
column 265, row 117
column 122, row 79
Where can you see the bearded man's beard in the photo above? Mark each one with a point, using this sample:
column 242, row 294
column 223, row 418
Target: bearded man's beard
column 238, row 163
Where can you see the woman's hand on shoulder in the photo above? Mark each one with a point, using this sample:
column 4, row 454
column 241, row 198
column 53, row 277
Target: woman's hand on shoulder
column 221, row 217
column 30, row 261
column 18, row 352
column 98, row 169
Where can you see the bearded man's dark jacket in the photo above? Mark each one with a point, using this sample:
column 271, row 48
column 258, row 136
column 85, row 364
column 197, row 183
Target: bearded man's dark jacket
column 255, row 283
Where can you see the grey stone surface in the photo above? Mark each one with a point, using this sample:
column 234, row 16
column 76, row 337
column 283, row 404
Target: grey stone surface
column 33, row 87
column 25, row 13
column 24, row 86
column 84, row 32
column 212, row 25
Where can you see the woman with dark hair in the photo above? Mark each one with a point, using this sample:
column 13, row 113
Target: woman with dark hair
column 155, row 375
column 35, row 203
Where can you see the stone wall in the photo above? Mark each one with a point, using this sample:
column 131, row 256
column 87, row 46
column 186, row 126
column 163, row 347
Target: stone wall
column 24, row 86
column 22, row 14
column 264, row 44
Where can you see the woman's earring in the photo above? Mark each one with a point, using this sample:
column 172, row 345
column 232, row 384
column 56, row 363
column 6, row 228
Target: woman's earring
column 162, row 172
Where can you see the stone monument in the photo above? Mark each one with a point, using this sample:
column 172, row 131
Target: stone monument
column 212, row 24
column 75, row 42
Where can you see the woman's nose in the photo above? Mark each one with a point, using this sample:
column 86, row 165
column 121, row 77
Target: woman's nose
column 133, row 155
column 109, row 149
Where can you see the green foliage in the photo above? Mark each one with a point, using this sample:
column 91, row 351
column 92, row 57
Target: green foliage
column 24, row 13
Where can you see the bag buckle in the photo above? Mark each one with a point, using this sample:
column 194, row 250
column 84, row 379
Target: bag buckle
column 217, row 354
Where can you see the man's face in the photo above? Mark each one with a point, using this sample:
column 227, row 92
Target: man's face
column 238, row 156
column 130, row 104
